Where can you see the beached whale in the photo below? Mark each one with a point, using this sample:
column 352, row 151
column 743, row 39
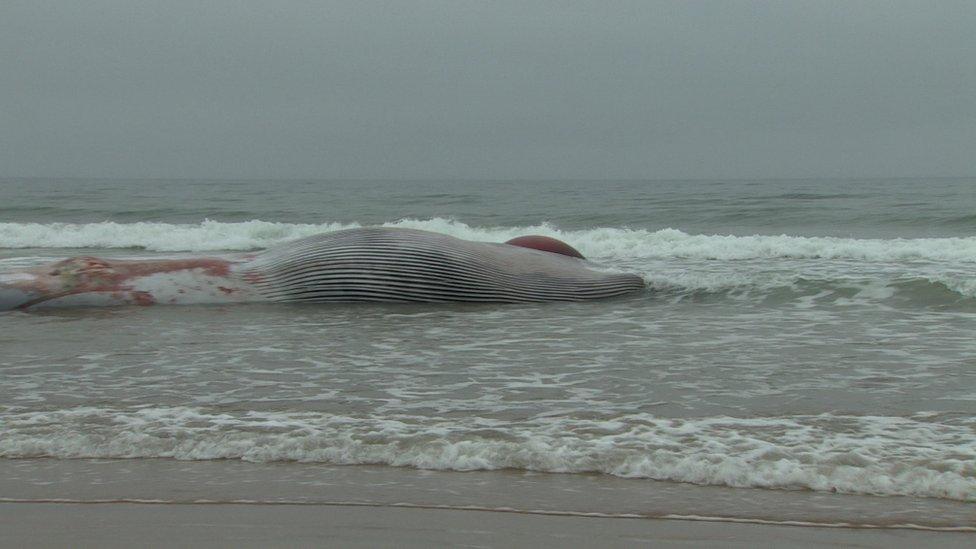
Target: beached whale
column 368, row 264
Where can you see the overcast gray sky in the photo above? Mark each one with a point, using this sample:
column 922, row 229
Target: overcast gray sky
column 487, row 89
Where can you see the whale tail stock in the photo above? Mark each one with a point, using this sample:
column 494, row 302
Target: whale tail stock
column 87, row 280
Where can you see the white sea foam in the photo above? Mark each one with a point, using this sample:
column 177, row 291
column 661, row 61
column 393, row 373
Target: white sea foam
column 961, row 285
column 598, row 243
column 164, row 237
column 850, row 454
column 865, row 289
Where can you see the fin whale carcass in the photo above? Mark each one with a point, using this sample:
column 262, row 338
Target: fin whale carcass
column 368, row 264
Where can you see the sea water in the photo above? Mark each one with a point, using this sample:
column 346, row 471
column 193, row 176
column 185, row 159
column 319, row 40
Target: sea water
column 804, row 352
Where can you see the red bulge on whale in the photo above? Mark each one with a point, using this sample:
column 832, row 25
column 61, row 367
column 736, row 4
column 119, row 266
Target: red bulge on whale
column 546, row 244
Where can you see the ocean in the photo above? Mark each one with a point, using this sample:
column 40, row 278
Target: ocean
column 803, row 353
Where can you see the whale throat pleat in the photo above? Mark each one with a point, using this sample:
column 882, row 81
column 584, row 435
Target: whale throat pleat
column 404, row 265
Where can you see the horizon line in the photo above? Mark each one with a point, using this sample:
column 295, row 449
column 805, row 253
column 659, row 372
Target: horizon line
column 488, row 179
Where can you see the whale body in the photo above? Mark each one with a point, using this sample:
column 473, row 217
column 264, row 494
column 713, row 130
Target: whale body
column 368, row 264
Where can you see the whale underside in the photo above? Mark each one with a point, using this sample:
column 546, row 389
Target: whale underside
column 406, row 265
column 368, row 264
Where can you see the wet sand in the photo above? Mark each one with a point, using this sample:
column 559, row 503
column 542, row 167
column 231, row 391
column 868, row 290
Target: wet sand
column 126, row 503
column 228, row 481
column 229, row 525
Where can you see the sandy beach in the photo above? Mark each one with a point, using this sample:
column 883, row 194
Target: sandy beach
column 223, row 525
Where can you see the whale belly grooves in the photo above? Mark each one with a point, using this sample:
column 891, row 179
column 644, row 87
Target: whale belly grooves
column 407, row 265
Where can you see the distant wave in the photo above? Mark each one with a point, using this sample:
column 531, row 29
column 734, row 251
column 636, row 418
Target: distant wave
column 596, row 243
column 827, row 452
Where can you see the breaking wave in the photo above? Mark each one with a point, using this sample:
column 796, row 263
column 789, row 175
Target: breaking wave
column 599, row 243
column 837, row 453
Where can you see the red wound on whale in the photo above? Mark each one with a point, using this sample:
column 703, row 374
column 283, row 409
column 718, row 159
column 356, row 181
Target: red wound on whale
column 546, row 244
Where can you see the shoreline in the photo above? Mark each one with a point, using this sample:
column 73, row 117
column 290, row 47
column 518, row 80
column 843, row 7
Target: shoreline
column 262, row 525
column 172, row 483
column 501, row 510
